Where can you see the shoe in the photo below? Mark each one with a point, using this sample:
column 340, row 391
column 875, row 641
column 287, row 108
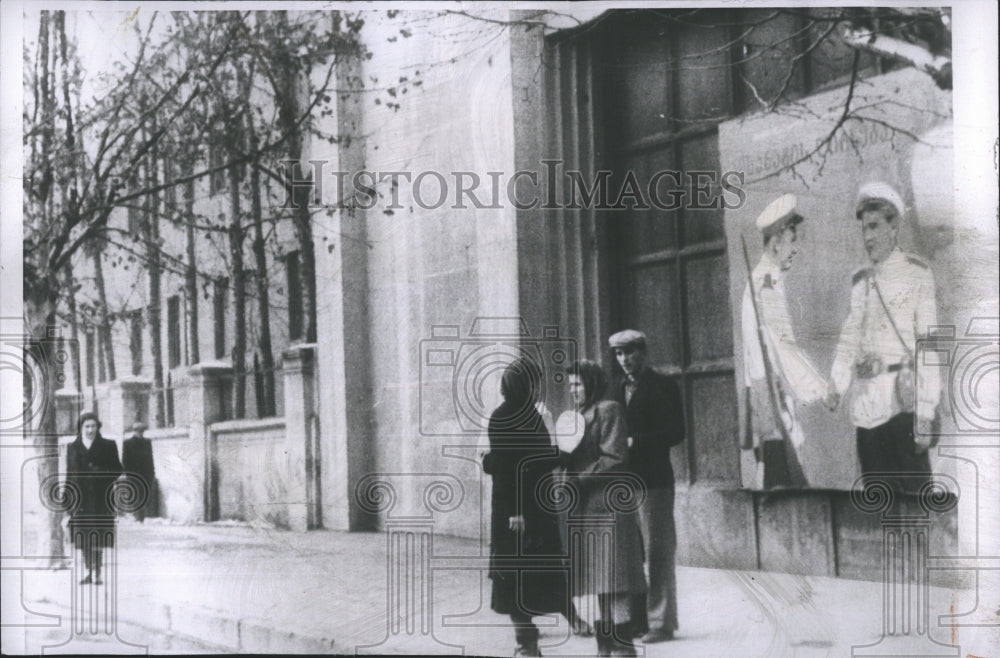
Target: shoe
column 657, row 636
column 98, row 581
column 527, row 650
column 86, row 581
column 582, row 629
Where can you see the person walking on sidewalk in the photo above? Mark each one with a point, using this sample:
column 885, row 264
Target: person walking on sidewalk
column 137, row 458
column 654, row 414
column 596, row 470
column 524, row 534
column 92, row 466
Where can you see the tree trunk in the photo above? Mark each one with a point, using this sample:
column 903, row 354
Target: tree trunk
column 152, row 226
column 191, row 272
column 104, row 330
column 287, row 98
column 40, row 310
column 264, row 305
column 239, row 298
column 40, row 300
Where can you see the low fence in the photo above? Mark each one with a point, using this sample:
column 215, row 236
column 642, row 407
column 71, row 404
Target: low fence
column 251, row 470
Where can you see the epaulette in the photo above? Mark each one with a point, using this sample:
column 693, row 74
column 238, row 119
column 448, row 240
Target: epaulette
column 917, row 261
column 861, row 274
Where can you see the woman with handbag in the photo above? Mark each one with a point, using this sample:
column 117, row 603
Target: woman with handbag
column 527, row 566
column 604, row 537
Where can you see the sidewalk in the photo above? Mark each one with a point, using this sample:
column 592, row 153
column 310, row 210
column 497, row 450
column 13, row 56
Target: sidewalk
column 236, row 588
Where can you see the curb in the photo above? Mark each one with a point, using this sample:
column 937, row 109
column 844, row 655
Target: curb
column 217, row 631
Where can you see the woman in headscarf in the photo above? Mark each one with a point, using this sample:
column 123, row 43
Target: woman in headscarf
column 604, row 538
column 92, row 466
column 526, row 563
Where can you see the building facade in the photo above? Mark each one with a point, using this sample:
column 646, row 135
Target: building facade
column 481, row 138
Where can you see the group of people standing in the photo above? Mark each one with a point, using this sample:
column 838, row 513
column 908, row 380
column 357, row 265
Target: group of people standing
column 580, row 551
column 92, row 468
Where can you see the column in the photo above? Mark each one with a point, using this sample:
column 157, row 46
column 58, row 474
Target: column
column 409, row 530
column 207, row 405
column 906, row 626
column 93, row 606
column 302, row 474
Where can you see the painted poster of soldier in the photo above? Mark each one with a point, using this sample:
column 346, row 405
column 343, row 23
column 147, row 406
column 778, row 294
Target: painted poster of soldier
column 503, row 328
column 856, row 269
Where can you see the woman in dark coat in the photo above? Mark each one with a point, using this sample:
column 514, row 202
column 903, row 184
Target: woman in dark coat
column 608, row 498
column 526, row 562
column 92, row 466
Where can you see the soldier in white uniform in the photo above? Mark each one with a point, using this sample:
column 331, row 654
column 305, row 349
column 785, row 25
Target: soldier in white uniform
column 775, row 433
column 892, row 303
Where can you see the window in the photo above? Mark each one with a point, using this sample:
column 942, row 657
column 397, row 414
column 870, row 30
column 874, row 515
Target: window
column 219, row 288
column 293, row 265
column 173, row 331
column 135, row 340
column 666, row 90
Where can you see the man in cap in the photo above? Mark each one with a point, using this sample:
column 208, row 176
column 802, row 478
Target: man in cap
column 779, row 374
column 892, row 304
column 137, row 461
column 654, row 413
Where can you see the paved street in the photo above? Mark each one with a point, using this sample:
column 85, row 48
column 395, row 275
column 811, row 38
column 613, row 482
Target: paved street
column 237, row 588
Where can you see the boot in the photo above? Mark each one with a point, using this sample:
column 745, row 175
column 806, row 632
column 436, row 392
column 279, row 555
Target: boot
column 621, row 640
column 602, row 631
column 528, row 649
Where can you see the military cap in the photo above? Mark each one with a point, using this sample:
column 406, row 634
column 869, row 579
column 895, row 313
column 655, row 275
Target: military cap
column 626, row 338
column 881, row 191
column 778, row 213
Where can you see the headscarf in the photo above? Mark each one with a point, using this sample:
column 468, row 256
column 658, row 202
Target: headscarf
column 84, row 417
column 595, row 382
column 521, row 382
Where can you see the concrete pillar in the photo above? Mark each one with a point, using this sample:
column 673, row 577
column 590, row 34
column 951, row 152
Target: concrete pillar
column 206, row 406
column 343, row 360
column 302, row 476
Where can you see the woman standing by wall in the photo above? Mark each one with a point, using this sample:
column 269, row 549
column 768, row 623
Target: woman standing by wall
column 526, row 561
column 604, row 540
column 92, row 466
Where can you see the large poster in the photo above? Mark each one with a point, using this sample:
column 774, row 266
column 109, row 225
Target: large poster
column 892, row 130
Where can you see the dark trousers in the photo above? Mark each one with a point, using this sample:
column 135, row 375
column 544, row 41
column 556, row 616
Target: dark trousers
column 782, row 467
column 659, row 538
column 93, row 558
column 890, row 448
column 525, row 631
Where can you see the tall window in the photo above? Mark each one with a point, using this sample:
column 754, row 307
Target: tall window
column 293, row 265
column 219, row 288
column 174, row 331
column 135, row 340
